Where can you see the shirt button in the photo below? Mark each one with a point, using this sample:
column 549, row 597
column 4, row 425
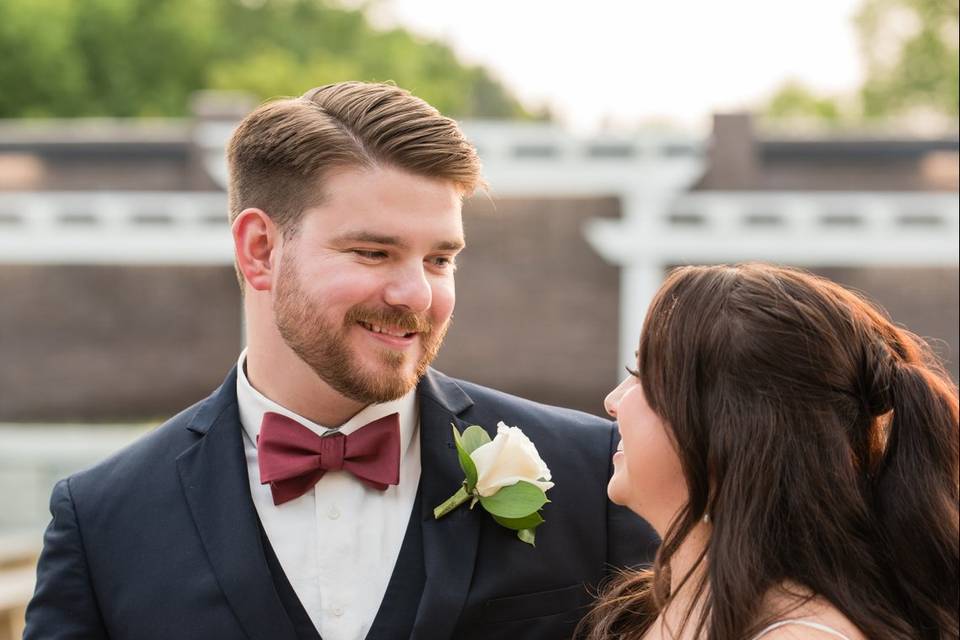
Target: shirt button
column 333, row 513
column 338, row 611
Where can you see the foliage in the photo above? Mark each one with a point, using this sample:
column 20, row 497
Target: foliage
column 145, row 57
column 910, row 51
column 795, row 100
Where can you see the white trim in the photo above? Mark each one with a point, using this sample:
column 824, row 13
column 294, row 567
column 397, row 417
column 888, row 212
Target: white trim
column 132, row 227
column 808, row 229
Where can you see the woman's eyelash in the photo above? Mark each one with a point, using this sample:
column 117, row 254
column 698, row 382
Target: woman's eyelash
column 633, row 372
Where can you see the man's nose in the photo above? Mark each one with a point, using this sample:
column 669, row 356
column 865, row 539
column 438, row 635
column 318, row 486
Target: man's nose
column 409, row 288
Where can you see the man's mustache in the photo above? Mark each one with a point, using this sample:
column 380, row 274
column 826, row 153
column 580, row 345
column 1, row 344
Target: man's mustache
column 394, row 318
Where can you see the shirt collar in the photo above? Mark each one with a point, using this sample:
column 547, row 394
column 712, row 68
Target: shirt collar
column 253, row 405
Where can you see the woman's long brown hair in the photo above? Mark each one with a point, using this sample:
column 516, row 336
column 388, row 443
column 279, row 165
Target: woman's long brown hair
column 821, row 439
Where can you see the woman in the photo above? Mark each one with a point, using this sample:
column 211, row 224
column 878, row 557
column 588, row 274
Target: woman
column 798, row 455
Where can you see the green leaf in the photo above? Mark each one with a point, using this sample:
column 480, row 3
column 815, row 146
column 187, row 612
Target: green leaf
column 516, row 501
column 532, row 521
column 466, row 462
column 528, row 536
column 473, row 437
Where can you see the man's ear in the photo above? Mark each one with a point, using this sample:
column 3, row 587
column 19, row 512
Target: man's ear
column 254, row 240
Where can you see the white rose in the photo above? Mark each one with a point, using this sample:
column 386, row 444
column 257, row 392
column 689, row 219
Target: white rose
column 506, row 460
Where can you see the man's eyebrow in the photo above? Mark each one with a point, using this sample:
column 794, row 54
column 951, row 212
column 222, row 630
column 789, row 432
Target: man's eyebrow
column 393, row 241
column 449, row 245
column 369, row 236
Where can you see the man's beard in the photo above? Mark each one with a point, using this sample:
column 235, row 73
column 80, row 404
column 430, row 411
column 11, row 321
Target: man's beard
column 324, row 347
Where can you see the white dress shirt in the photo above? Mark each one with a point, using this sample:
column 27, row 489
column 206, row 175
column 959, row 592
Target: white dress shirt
column 337, row 543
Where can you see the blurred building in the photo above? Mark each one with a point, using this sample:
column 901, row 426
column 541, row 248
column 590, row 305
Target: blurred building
column 540, row 311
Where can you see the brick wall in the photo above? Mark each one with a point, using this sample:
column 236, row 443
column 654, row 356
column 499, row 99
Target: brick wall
column 113, row 343
column 537, row 310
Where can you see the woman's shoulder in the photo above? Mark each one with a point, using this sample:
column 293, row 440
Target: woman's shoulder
column 796, row 613
column 803, row 629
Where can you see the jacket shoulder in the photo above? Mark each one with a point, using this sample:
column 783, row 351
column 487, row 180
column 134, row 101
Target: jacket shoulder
column 488, row 397
column 591, row 434
column 139, row 460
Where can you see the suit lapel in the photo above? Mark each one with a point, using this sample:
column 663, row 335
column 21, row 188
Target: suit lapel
column 449, row 544
column 214, row 478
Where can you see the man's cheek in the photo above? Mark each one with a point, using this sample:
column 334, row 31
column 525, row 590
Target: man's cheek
column 444, row 300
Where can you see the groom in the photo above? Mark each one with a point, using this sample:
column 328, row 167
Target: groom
column 297, row 500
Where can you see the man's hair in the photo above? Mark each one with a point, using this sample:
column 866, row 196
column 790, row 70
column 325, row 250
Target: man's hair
column 280, row 153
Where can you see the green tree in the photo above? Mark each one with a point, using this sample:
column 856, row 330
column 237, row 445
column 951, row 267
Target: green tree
column 144, row 57
column 910, row 51
column 794, row 100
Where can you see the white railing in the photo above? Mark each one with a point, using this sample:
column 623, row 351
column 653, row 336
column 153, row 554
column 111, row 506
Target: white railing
column 801, row 228
column 544, row 160
column 133, row 227
column 793, row 227
column 807, row 229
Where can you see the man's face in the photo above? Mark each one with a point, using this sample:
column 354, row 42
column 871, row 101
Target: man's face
column 365, row 289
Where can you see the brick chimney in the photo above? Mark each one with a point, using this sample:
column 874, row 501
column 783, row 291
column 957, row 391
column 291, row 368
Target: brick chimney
column 732, row 154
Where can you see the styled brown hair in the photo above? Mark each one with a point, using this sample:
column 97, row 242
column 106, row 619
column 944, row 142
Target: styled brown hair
column 280, row 153
column 821, row 439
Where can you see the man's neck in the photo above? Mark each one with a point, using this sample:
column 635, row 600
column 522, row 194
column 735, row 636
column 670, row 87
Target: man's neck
column 284, row 378
column 275, row 371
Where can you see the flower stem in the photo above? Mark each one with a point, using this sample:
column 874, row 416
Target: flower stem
column 451, row 503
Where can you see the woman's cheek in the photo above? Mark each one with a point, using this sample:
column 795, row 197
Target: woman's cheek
column 618, row 489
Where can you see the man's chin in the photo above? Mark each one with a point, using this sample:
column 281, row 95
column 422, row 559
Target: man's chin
column 384, row 383
column 380, row 373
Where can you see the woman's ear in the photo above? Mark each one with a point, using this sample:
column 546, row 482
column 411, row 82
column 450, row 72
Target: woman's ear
column 254, row 240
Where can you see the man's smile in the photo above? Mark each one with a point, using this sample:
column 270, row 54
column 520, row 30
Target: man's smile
column 390, row 336
column 399, row 333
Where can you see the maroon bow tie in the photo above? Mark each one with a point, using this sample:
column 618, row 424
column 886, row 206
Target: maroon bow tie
column 292, row 458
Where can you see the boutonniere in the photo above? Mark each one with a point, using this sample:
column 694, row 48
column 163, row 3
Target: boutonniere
column 506, row 476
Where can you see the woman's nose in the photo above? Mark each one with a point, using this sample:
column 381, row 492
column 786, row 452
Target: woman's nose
column 612, row 401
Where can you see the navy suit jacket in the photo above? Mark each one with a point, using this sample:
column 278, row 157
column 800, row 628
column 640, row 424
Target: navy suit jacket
column 162, row 541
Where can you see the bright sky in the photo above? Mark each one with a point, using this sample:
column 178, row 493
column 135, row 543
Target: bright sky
column 636, row 61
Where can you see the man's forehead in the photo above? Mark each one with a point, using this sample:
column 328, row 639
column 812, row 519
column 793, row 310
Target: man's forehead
column 389, row 207
column 348, row 183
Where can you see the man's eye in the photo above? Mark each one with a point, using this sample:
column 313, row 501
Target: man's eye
column 445, row 262
column 370, row 255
